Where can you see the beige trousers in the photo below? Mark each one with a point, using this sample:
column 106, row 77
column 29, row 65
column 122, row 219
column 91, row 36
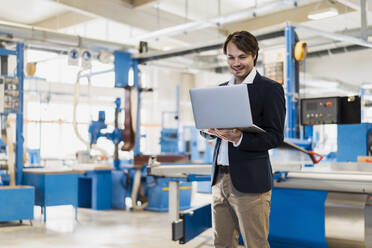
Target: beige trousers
column 234, row 212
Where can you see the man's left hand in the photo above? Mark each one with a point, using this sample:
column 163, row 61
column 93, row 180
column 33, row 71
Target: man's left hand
column 232, row 135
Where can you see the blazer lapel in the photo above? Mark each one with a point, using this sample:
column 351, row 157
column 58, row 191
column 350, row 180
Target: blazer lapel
column 256, row 78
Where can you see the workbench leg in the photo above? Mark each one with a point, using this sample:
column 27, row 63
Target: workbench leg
column 76, row 213
column 44, row 211
column 174, row 199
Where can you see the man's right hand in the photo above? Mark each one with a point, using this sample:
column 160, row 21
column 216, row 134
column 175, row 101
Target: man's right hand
column 229, row 134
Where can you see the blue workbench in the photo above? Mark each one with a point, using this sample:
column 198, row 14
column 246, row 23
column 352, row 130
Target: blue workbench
column 53, row 187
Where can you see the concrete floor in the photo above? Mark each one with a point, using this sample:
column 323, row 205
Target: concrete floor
column 103, row 229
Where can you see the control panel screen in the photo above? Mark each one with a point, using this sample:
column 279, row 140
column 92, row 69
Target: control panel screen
column 319, row 111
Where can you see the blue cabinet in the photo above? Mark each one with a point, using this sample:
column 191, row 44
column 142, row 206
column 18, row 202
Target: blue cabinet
column 95, row 190
column 17, row 203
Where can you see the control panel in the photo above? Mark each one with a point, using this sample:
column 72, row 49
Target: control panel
column 9, row 95
column 331, row 110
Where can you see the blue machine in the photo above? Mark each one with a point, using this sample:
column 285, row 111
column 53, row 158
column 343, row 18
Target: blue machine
column 115, row 136
column 352, row 140
column 297, row 218
column 97, row 188
column 120, row 188
column 200, row 150
column 169, row 141
column 157, row 189
column 169, row 136
column 95, row 127
column 17, row 203
column 123, row 176
column 157, row 192
column 297, row 215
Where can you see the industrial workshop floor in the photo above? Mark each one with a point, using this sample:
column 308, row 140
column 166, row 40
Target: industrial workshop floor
column 103, row 229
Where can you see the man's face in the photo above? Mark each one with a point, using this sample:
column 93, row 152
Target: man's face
column 240, row 63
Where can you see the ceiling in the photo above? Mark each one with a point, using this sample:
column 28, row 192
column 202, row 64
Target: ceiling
column 29, row 12
column 177, row 24
column 168, row 24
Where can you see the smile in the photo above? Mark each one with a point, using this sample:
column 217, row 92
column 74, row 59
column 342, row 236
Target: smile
column 238, row 69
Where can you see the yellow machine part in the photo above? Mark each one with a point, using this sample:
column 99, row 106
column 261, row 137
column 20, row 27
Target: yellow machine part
column 300, row 50
column 31, row 68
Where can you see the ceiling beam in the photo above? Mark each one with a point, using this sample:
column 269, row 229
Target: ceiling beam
column 140, row 3
column 355, row 4
column 136, row 3
column 63, row 20
column 118, row 11
column 297, row 15
column 40, row 37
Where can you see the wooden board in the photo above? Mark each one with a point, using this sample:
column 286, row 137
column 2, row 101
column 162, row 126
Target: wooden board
column 364, row 159
column 51, row 171
column 15, row 187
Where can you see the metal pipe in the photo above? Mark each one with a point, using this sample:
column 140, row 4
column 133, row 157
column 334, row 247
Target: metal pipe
column 350, row 4
column 335, row 36
column 363, row 16
column 142, row 58
column 331, row 185
column 178, row 106
column 137, row 84
column 331, row 176
column 19, row 119
column 264, row 36
column 337, row 50
column 39, row 36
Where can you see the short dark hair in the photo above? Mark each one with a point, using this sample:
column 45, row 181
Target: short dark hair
column 244, row 41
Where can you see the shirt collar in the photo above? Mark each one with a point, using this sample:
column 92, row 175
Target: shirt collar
column 247, row 80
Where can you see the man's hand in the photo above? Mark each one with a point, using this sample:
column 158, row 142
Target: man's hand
column 232, row 135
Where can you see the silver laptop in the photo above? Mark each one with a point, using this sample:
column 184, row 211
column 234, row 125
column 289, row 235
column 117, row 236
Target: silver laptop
column 223, row 107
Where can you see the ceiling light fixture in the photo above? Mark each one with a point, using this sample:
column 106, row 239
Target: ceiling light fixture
column 322, row 13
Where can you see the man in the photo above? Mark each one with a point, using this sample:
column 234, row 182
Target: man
column 241, row 174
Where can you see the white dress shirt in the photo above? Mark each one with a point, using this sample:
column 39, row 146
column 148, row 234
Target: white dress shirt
column 223, row 153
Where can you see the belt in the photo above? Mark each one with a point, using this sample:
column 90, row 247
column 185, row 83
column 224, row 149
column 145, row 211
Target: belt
column 223, row 169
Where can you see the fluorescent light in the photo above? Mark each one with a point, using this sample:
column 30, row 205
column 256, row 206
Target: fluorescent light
column 322, row 13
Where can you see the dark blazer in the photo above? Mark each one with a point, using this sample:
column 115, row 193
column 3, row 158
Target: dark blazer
column 250, row 167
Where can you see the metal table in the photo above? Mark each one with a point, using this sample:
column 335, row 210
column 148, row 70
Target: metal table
column 326, row 205
column 53, row 187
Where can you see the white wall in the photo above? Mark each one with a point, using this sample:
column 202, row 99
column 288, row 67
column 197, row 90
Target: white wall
column 351, row 67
